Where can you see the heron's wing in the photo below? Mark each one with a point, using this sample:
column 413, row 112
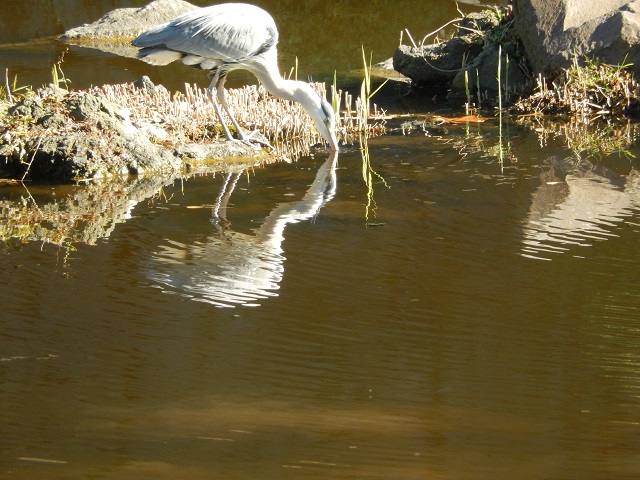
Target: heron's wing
column 229, row 32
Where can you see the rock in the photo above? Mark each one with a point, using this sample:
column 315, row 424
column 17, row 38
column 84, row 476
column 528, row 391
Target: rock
column 553, row 31
column 113, row 31
column 129, row 22
column 53, row 120
column 216, row 151
column 479, row 21
column 144, row 83
column 30, row 107
column 485, row 66
column 475, row 49
column 78, row 135
column 97, row 111
column 436, row 64
column 385, row 64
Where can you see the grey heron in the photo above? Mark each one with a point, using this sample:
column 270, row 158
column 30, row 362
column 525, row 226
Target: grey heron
column 227, row 37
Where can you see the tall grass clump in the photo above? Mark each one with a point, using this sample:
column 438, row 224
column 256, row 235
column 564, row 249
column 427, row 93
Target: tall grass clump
column 364, row 106
column 587, row 89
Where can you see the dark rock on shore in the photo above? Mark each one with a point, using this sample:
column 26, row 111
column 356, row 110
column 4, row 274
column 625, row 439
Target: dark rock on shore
column 439, row 63
column 483, row 72
column 83, row 136
column 536, row 37
column 554, row 31
column 435, row 64
column 474, row 51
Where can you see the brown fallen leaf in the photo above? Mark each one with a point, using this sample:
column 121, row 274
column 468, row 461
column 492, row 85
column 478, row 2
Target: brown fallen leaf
column 459, row 120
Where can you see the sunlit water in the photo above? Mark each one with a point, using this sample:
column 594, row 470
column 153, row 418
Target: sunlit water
column 479, row 320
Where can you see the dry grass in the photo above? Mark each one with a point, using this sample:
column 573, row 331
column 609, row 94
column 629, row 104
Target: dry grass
column 350, row 121
column 585, row 91
column 586, row 107
column 189, row 116
column 185, row 117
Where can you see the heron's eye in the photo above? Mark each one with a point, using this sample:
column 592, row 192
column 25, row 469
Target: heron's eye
column 328, row 112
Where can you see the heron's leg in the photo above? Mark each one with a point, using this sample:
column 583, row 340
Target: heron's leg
column 219, row 211
column 210, row 89
column 241, row 135
column 223, row 102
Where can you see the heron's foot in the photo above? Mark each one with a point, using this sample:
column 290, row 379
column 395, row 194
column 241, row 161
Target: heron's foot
column 256, row 137
column 220, row 223
column 251, row 143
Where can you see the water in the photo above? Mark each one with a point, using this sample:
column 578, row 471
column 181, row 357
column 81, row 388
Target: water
column 318, row 37
column 481, row 321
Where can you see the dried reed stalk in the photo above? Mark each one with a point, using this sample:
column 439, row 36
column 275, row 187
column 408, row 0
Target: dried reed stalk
column 189, row 116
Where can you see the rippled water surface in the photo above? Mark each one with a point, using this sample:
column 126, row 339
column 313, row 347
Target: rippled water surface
column 479, row 320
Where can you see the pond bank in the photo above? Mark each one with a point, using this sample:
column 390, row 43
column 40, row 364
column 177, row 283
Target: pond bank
column 497, row 55
column 62, row 135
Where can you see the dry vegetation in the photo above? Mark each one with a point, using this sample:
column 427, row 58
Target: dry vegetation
column 187, row 117
column 169, row 120
column 590, row 106
column 586, row 91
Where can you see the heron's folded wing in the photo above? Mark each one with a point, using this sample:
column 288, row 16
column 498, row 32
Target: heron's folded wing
column 228, row 32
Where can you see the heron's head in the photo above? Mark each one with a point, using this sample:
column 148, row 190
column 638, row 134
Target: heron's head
column 322, row 114
column 326, row 124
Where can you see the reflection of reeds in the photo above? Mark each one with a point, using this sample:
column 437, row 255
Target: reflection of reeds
column 586, row 140
column 83, row 215
column 25, row 221
column 364, row 130
column 369, row 175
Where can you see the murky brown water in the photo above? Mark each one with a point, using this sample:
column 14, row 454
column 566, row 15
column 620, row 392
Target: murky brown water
column 487, row 327
column 322, row 37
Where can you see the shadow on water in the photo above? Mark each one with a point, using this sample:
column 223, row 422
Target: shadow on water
column 233, row 268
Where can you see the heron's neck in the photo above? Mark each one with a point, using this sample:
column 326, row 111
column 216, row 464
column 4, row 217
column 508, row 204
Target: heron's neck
column 268, row 74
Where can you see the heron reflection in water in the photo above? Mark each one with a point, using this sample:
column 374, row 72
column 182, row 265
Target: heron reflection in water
column 232, row 268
